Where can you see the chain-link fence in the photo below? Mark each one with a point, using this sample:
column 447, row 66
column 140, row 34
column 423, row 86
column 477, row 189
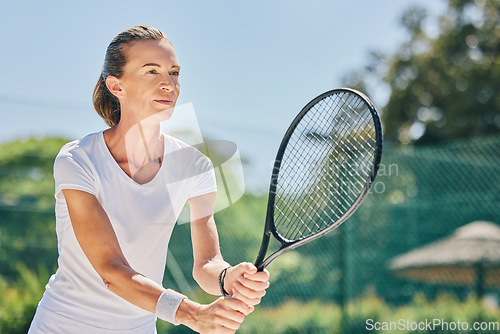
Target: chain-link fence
column 421, row 194
column 339, row 283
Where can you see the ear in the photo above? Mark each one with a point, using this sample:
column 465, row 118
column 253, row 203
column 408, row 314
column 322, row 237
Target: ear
column 114, row 86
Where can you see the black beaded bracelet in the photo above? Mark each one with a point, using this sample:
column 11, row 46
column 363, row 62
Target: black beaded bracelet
column 222, row 276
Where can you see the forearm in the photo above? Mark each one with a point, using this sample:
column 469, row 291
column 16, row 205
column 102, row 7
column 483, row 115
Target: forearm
column 145, row 293
column 132, row 286
column 206, row 273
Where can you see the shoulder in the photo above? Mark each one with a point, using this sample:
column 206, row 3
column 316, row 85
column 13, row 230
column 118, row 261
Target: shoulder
column 83, row 144
column 78, row 152
column 79, row 148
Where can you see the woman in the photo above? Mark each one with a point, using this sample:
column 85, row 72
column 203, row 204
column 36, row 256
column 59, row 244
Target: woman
column 118, row 195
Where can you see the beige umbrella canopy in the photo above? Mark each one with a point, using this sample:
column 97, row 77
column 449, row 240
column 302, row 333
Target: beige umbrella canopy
column 470, row 256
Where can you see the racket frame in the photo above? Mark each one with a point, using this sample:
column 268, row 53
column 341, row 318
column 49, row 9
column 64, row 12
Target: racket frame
column 270, row 228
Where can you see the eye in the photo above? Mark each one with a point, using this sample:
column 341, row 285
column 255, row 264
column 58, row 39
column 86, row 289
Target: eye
column 175, row 73
column 153, row 71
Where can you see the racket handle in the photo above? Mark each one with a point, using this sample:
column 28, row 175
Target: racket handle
column 259, row 262
column 260, row 266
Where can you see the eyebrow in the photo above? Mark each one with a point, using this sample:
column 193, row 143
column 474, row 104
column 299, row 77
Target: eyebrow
column 157, row 65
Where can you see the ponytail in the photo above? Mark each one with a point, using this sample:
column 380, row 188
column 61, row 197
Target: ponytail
column 105, row 103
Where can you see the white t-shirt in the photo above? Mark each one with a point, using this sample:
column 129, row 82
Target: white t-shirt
column 142, row 216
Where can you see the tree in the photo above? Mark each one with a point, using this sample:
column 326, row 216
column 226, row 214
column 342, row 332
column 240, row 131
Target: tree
column 445, row 86
column 28, row 246
column 27, row 233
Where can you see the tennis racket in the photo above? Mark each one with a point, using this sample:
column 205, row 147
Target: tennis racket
column 325, row 165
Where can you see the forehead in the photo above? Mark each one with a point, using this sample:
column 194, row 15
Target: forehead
column 150, row 51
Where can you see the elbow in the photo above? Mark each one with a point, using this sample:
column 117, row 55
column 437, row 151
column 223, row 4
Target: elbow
column 203, row 283
column 201, row 277
column 112, row 274
column 106, row 281
column 197, row 274
column 108, row 277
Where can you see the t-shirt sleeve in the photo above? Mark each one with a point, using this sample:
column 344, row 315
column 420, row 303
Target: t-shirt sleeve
column 72, row 171
column 204, row 181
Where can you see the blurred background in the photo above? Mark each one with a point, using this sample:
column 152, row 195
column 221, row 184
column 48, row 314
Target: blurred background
column 424, row 244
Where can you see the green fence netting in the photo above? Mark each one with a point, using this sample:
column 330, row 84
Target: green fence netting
column 341, row 282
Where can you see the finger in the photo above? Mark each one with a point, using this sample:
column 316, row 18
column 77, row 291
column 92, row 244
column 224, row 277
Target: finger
column 230, row 319
column 253, row 285
column 248, row 292
column 238, row 305
column 246, row 295
column 224, row 330
column 261, row 276
column 224, row 326
column 248, row 301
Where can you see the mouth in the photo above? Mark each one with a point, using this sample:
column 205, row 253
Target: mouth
column 164, row 102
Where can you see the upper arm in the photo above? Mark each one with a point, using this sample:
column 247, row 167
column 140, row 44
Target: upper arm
column 94, row 231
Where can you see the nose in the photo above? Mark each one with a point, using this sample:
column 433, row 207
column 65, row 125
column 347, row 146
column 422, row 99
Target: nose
column 168, row 83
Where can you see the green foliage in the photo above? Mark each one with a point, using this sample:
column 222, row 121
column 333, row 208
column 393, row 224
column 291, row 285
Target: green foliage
column 291, row 317
column 443, row 87
column 27, row 231
column 26, row 172
column 445, row 311
column 416, row 199
column 18, row 300
column 360, row 315
column 294, row 317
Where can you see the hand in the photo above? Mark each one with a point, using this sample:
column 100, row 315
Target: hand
column 225, row 315
column 247, row 284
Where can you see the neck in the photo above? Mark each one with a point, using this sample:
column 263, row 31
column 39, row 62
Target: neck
column 136, row 146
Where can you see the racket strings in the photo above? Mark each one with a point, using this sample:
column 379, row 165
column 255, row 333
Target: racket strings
column 289, row 208
column 317, row 210
column 323, row 152
column 296, row 141
column 325, row 166
column 324, row 201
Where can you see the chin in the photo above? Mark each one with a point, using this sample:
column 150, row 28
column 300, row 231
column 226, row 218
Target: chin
column 166, row 113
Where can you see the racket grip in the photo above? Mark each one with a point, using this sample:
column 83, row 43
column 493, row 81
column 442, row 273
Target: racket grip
column 260, row 266
column 259, row 262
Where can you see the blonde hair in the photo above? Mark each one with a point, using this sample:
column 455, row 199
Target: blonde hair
column 105, row 103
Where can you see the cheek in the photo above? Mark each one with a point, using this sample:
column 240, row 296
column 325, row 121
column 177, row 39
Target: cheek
column 177, row 86
column 177, row 83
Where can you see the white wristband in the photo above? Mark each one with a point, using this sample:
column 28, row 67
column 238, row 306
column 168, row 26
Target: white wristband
column 167, row 305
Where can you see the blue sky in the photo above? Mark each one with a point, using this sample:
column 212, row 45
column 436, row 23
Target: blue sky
column 248, row 67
